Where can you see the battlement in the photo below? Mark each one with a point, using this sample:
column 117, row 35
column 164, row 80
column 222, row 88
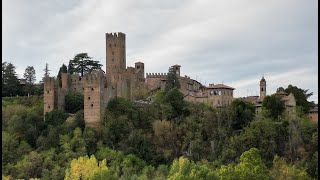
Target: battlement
column 94, row 78
column 116, row 35
column 49, row 82
column 156, row 75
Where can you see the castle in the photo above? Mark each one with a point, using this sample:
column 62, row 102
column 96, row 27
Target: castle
column 127, row 82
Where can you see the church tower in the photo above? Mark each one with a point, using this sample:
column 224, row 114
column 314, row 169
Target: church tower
column 115, row 52
column 263, row 88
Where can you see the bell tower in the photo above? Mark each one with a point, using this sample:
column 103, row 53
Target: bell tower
column 263, row 88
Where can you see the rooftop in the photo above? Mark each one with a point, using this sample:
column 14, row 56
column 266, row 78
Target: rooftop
column 219, row 86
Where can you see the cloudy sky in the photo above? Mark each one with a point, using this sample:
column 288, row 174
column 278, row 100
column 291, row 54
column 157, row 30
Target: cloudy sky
column 233, row 42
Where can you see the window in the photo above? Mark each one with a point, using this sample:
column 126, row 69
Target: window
column 91, row 105
column 47, row 91
column 79, row 78
column 88, row 98
column 91, row 89
column 49, row 107
column 112, row 60
column 112, row 53
column 138, row 67
column 83, row 89
column 75, row 88
column 261, row 89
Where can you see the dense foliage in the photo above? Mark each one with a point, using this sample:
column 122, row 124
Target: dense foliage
column 168, row 139
column 73, row 102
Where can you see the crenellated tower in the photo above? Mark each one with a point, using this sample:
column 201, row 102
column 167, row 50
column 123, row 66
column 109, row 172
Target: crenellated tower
column 115, row 52
column 95, row 98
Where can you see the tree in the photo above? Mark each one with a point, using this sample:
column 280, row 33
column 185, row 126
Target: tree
column 30, row 75
column 301, row 96
column 46, row 71
column 82, row 63
column 172, row 80
column 71, row 68
column 280, row 89
column 281, row 170
column 244, row 113
column 251, row 166
column 274, row 105
column 63, row 69
column 73, row 102
column 10, row 81
column 85, row 168
column 182, row 168
column 175, row 99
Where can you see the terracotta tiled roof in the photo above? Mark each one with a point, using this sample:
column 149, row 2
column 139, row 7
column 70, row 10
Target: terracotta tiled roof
column 219, row 86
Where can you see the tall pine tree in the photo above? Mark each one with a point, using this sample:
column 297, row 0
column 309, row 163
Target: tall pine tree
column 172, row 80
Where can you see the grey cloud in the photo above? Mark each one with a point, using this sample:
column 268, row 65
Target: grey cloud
column 215, row 41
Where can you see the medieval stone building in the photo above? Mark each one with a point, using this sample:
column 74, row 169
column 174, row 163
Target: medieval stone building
column 288, row 99
column 98, row 87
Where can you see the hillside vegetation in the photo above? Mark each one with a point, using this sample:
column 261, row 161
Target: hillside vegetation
column 168, row 139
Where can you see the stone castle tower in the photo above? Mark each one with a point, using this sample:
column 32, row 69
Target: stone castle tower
column 49, row 94
column 98, row 87
column 263, row 88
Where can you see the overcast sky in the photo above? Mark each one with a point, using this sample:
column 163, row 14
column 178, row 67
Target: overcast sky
column 215, row 41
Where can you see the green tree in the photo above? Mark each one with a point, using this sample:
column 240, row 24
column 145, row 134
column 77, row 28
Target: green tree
column 63, row 69
column 172, row 80
column 55, row 117
column 281, row 170
column 30, row 75
column 74, row 102
column 82, row 63
column 244, row 113
column 251, row 166
column 10, row 82
column 274, row 106
column 175, row 99
column 183, row 168
column 301, row 96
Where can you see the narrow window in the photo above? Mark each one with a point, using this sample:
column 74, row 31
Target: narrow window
column 112, row 60
column 49, row 107
column 91, row 89
column 112, row 53
column 91, row 105
column 75, row 88
column 261, row 89
column 47, row 91
column 89, row 98
column 79, row 78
